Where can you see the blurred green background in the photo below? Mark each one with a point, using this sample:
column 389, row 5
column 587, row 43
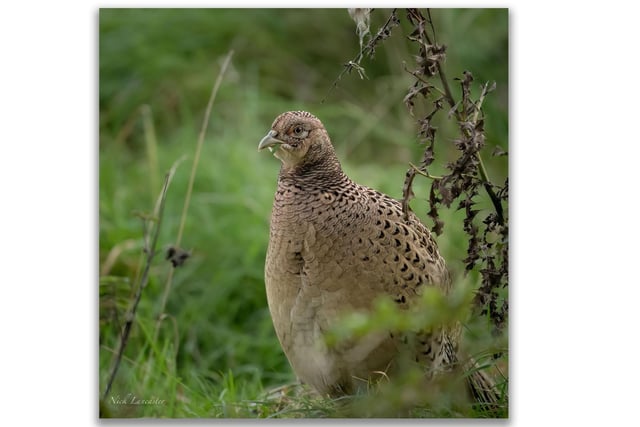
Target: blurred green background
column 215, row 343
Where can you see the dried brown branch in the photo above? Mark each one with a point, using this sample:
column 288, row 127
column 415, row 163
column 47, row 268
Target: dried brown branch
column 466, row 176
column 153, row 222
column 369, row 50
column 487, row 240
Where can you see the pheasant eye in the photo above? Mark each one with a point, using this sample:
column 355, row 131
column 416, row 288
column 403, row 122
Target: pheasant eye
column 298, row 130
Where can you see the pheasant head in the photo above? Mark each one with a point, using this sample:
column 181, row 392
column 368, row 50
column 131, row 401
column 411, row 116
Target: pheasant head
column 301, row 143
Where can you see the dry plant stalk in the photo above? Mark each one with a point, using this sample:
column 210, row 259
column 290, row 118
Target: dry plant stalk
column 488, row 243
column 369, row 49
column 152, row 226
column 488, row 246
column 187, row 200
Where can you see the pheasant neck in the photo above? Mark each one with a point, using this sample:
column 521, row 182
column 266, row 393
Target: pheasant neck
column 324, row 175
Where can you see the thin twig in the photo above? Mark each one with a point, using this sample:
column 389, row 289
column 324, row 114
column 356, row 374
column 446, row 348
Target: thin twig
column 449, row 97
column 483, row 94
column 433, row 29
column 203, row 130
column 355, row 62
column 483, row 171
column 423, row 173
column 152, row 147
column 150, row 250
column 419, row 78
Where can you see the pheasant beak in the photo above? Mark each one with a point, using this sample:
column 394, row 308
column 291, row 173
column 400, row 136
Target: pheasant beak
column 269, row 141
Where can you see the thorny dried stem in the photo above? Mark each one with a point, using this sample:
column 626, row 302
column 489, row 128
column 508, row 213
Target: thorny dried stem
column 154, row 223
column 423, row 173
column 369, row 50
column 417, row 16
column 488, row 242
column 488, row 237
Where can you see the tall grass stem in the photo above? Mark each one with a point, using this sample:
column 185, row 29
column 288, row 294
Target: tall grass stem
column 151, row 143
column 150, row 250
column 194, row 167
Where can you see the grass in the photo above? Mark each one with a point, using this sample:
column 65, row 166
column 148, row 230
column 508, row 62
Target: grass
column 216, row 351
column 211, row 351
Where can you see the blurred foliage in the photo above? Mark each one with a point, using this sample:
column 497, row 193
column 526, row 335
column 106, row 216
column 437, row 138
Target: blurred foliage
column 216, row 344
column 165, row 58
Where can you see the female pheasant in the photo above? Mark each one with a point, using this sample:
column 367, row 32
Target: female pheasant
column 334, row 247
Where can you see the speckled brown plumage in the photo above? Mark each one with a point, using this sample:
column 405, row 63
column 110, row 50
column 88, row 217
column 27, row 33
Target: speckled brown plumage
column 334, row 247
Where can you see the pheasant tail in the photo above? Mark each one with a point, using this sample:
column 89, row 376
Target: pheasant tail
column 483, row 387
